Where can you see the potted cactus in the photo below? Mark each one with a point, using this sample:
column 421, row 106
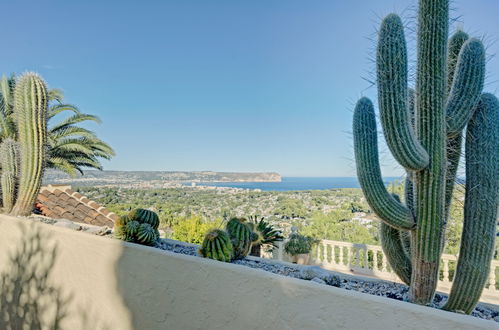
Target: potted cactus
column 299, row 247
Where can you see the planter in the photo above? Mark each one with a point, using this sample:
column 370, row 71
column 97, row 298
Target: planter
column 105, row 283
column 301, row 259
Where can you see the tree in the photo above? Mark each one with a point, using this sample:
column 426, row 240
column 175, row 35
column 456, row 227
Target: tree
column 71, row 147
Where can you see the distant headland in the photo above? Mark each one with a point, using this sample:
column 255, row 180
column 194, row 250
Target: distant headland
column 149, row 179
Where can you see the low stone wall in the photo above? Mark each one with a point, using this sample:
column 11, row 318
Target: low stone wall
column 72, row 280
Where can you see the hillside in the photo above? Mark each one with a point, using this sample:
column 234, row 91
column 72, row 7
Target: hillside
column 158, row 179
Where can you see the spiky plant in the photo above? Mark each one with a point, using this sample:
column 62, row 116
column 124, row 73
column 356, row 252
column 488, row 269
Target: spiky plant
column 264, row 234
column 423, row 130
column 146, row 234
column 241, row 237
column 9, row 158
column 30, row 110
column 71, row 148
column 138, row 226
column 217, row 245
column 145, row 216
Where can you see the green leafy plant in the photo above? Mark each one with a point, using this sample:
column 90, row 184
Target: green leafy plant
column 217, row 245
column 423, row 129
column 138, row 226
column 298, row 244
column 264, row 235
column 193, row 229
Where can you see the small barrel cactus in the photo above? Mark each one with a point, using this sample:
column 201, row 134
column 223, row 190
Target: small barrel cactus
column 241, row 237
column 217, row 245
column 138, row 226
column 146, row 234
column 145, row 216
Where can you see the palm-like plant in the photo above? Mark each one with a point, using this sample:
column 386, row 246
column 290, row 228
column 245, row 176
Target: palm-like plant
column 267, row 235
column 70, row 147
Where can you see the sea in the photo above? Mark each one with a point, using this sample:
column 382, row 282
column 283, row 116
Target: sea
column 298, row 183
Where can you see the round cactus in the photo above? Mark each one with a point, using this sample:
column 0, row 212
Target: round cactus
column 241, row 237
column 146, row 234
column 132, row 228
column 217, row 245
column 119, row 226
column 145, row 216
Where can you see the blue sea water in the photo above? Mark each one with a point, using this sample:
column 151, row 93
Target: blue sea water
column 297, row 183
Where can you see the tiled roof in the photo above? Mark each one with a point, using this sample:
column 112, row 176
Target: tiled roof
column 60, row 202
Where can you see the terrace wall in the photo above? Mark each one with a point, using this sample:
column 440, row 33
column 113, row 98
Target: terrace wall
column 80, row 281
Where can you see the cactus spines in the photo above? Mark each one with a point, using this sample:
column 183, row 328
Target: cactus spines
column 138, row 226
column 217, row 245
column 480, row 206
column 9, row 175
column 449, row 83
column 132, row 228
column 366, row 155
column 146, row 234
column 241, row 237
column 30, row 108
column 391, row 241
column 145, row 216
column 393, row 95
column 120, row 226
column 466, row 87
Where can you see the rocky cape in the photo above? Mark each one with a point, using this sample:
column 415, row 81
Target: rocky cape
column 143, row 177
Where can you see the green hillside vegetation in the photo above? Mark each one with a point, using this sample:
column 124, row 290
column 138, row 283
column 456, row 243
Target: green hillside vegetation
column 187, row 213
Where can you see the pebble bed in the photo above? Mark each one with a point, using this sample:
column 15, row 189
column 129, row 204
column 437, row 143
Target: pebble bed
column 313, row 273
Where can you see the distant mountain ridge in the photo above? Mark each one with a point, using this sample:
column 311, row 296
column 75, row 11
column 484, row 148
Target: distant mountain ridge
column 93, row 177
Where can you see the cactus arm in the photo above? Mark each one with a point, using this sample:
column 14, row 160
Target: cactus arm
column 31, row 113
column 391, row 242
column 393, row 95
column 433, row 24
column 455, row 44
column 481, row 199
column 467, row 86
column 454, row 142
column 383, row 204
column 9, row 175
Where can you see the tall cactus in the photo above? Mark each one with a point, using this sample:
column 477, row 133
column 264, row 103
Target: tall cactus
column 9, row 176
column 30, row 108
column 423, row 130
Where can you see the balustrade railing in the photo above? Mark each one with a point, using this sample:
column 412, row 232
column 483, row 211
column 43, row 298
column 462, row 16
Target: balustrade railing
column 369, row 260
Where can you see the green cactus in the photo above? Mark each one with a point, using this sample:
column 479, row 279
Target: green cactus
column 120, row 227
column 30, row 109
column 423, row 130
column 145, row 216
column 138, row 226
column 480, row 206
column 241, row 237
column 146, row 234
column 217, row 245
column 9, row 159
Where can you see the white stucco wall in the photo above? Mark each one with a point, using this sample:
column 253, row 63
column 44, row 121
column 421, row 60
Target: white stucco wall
column 103, row 283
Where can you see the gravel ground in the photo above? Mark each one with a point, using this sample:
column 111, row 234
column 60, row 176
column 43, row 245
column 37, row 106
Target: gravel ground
column 314, row 273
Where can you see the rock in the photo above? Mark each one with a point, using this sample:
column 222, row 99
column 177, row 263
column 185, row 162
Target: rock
column 67, row 224
column 101, row 231
column 317, row 280
column 312, row 272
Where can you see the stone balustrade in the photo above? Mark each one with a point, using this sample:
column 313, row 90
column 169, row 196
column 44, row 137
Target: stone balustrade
column 369, row 260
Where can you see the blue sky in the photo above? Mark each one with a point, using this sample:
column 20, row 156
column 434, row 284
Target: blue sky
column 221, row 85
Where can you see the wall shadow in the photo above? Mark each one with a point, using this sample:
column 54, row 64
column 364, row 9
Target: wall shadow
column 29, row 298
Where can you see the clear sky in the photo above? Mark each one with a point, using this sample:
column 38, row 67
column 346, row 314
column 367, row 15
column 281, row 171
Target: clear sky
column 225, row 85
